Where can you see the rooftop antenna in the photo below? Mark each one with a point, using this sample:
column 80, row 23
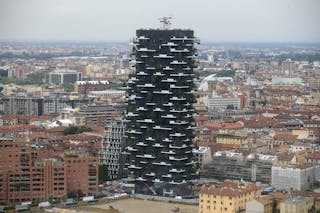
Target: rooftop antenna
column 165, row 23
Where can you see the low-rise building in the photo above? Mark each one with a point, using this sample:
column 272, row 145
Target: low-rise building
column 227, row 197
column 296, row 205
column 298, row 177
column 260, row 205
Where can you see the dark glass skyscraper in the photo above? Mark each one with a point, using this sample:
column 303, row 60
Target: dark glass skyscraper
column 159, row 112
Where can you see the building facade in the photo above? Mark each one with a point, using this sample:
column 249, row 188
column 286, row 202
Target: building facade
column 228, row 197
column 160, row 96
column 111, row 147
column 298, row 177
column 26, row 177
column 64, row 76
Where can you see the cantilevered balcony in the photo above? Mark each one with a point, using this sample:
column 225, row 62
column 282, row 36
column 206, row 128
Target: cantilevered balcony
column 169, row 44
column 151, row 174
column 168, row 116
column 177, row 134
column 134, row 167
column 146, row 86
column 168, row 68
column 129, row 148
column 176, row 62
column 169, row 80
column 146, row 156
column 163, row 92
column 174, row 158
column 162, row 163
column 157, row 181
column 142, row 49
column 161, row 128
column 158, row 110
column 167, row 140
column 177, row 99
column 150, row 121
column 177, row 170
column 157, row 145
column 179, row 51
column 183, row 146
column 167, row 176
column 163, row 56
column 159, row 74
column 170, row 152
column 141, row 144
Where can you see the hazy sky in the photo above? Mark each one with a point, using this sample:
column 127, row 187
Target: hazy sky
column 117, row 20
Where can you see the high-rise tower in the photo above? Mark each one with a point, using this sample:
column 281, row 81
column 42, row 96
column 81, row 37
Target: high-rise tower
column 159, row 112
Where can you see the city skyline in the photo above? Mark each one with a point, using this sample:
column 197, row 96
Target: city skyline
column 213, row 21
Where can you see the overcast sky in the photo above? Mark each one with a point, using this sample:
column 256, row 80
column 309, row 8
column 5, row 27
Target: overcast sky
column 117, row 20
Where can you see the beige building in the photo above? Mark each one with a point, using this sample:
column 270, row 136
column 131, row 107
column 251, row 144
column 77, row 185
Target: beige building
column 296, row 205
column 260, row 205
column 228, row 197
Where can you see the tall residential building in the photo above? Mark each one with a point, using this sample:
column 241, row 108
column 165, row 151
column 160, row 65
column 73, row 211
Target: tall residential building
column 27, row 174
column 112, row 144
column 160, row 96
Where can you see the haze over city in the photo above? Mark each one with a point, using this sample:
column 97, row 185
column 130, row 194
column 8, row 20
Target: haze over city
column 212, row 20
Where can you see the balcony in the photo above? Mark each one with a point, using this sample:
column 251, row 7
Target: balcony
column 134, row 167
column 159, row 74
column 169, row 80
column 149, row 139
column 150, row 68
column 141, row 179
column 168, row 116
column 169, row 44
column 163, row 56
column 158, row 110
column 157, row 145
column 167, row 176
column 157, row 181
column 146, row 121
column 133, row 132
column 142, row 73
column 179, row 51
column 131, row 114
column 145, row 50
column 178, row 123
column 175, row 62
column 167, row 68
column 177, row 99
column 177, row 183
column 170, row 152
column 177, row 159
column 177, row 134
column 177, row 170
column 168, row 104
column 129, row 148
column 161, row 163
column 147, row 156
column 151, row 174
column 146, row 86
column 142, row 109
column 164, row 92
column 180, row 74
column 161, row 128
column 141, row 144
column 167, row 140
column 178, row 147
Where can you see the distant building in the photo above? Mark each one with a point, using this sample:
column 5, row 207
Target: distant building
column 235, row 166
column 202, row 155
column 227, row 197
column 298, row 177
column 64, row 76
column 56, row 105
column 86, row 87
column 223, row 103
column 296, row 205
column 110, row 152
column 288, row 67
column 98, row 115
column 22, row 105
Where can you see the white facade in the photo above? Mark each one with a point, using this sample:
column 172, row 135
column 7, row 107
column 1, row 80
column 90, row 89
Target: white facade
column 291, row 177
column 223, row 103
column 202, row 155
